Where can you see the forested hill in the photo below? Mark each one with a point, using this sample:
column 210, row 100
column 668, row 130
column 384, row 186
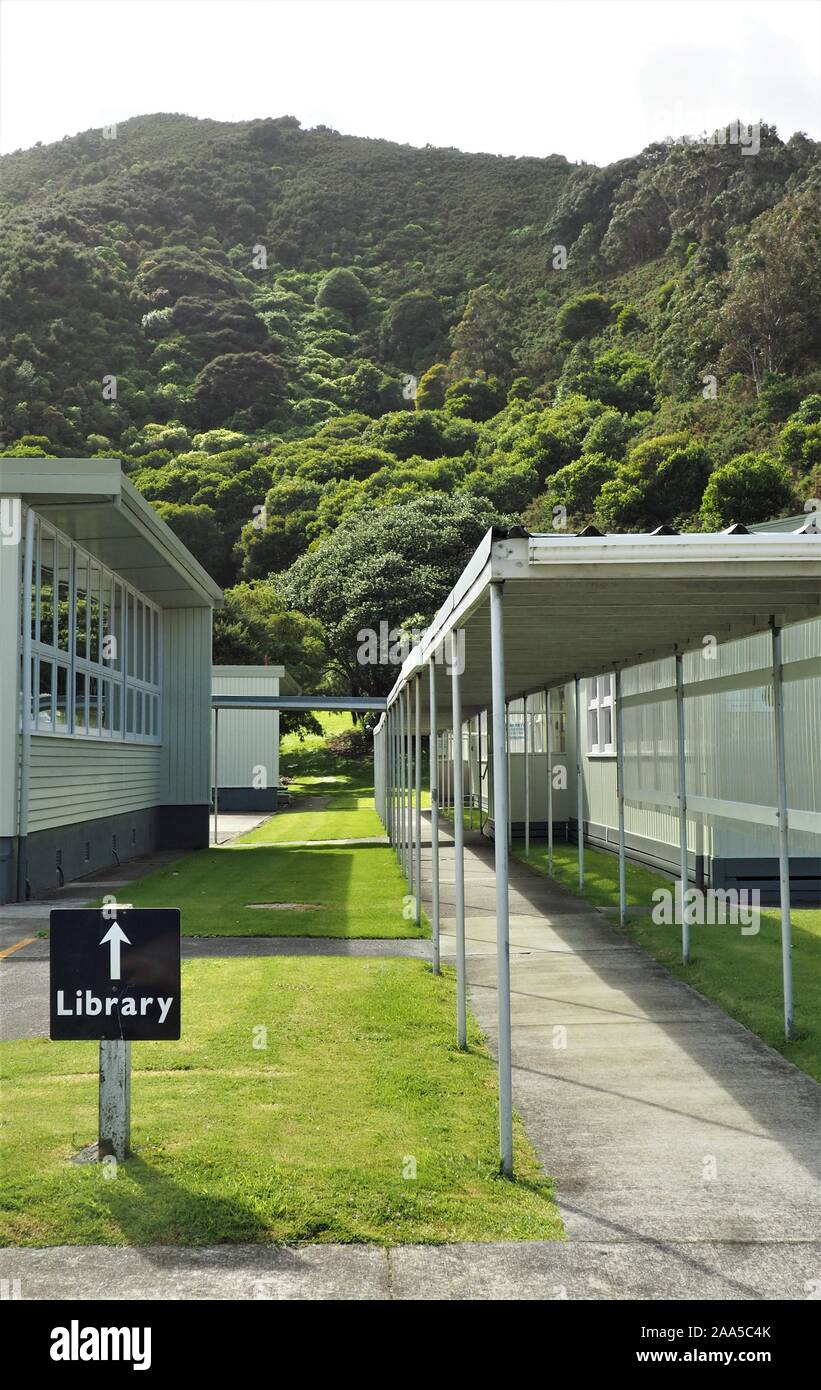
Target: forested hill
column 315, row 352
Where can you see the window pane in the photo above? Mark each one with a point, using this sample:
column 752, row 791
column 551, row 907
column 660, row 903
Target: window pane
column 94, row 613
column 594, row 729
column 606, row 726
column 140, row 643
column 61, row 707
column 138, row 716
column 155, row 664
column 131, row 636
column 105, row 708
column 47, row 588
column 63, row 596
column 115, row 646
column 117, row 709
column 93, row 705
column 129, row 712
column 79, row 703
column 81, row 604
column 44, row 700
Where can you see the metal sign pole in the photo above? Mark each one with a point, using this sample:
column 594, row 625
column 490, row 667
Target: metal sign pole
column 216, row 774
column 434, row 818
column 682, row 807
column 115, row 1100
column 497, row 663
column 783, row 832
column 459, row 854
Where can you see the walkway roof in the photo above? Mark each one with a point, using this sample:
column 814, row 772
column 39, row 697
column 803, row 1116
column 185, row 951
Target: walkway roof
column 93, row 502
column 583, row 605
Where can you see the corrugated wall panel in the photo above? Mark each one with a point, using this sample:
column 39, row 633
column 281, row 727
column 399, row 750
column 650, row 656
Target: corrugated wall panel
column 187, row 706
column 248, row 739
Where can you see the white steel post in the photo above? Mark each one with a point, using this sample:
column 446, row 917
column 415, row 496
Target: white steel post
column 459, row 855
column 417, row 686
column 509, row 785
column 549, row 723
column 682, row 807
column 579, row 782
column 434, row 819
column 783, row 832
column 409, row 786
column 497, row 660
column 620, row 799
column 527, row 779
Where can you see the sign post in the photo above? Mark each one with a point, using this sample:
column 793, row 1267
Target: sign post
column 115, row 976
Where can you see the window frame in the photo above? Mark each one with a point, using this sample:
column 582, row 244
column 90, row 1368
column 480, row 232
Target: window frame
column 99, row 686
column 601, row 702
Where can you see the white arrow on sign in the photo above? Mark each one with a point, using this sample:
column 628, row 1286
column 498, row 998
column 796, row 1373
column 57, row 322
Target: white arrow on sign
column 115, row 936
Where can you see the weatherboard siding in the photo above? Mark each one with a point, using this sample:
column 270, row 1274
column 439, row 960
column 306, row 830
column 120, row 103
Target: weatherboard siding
column 76, row 779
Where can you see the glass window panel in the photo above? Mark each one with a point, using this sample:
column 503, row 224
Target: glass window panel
column 45, row 717
column 129, row 712
column 606, row 726
column 115, row 647
column 594, row 729
column 46, row 588
column 61, row 705
column 81, row 604
column 32, row 617
column 106, row 598
column 155, row 664
column 131, row 633
column 105, row 709
column 140, row 642
column 117, row 709
column 79, row 703
column 93, row 704
column 63, row 596
column 138, row 716
column 94, row 613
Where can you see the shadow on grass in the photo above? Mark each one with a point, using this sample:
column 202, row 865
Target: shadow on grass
column 163, row 1212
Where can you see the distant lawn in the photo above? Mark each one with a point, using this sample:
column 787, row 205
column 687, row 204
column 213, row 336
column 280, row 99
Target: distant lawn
column 741, row 973
column 348, row 815
column 359, row 892
column 314, row 1138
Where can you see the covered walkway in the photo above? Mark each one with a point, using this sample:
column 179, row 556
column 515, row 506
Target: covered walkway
column 662, row 1119
column 534, row 612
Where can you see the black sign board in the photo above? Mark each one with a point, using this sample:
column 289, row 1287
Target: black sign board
column 115, row 973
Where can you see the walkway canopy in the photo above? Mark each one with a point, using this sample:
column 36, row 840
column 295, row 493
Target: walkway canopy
column 583, row 605
column 533, row 612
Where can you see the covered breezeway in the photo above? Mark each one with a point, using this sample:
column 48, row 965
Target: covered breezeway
column 532, row 613
column 314, row 704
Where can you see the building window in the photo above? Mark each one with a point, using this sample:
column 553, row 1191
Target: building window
column 601, row 723
column 95, row 644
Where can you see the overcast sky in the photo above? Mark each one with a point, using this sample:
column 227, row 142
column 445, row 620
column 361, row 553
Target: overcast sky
column 589, row 80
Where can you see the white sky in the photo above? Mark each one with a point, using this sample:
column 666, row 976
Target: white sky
column 589, row 80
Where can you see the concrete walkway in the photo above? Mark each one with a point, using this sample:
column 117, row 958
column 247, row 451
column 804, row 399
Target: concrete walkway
column 662, row 1120
column 527, row 1270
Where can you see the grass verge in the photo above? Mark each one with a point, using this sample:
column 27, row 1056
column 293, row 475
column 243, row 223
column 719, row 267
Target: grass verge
column 353, row 891
column 314, row 1137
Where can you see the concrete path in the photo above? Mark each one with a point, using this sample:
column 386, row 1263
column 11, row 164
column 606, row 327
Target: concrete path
column 662, row 1120
column 528, row 1270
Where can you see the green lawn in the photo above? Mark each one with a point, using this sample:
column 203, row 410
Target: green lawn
column 352, row 891
column 741, row 973
column 314, row 1138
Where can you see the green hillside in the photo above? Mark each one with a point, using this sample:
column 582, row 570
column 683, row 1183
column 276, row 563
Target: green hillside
column 332, row 362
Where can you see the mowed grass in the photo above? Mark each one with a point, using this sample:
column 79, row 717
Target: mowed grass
column 741, row 973
column 334, row 805
column 358, row 1121
column 345, row 891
